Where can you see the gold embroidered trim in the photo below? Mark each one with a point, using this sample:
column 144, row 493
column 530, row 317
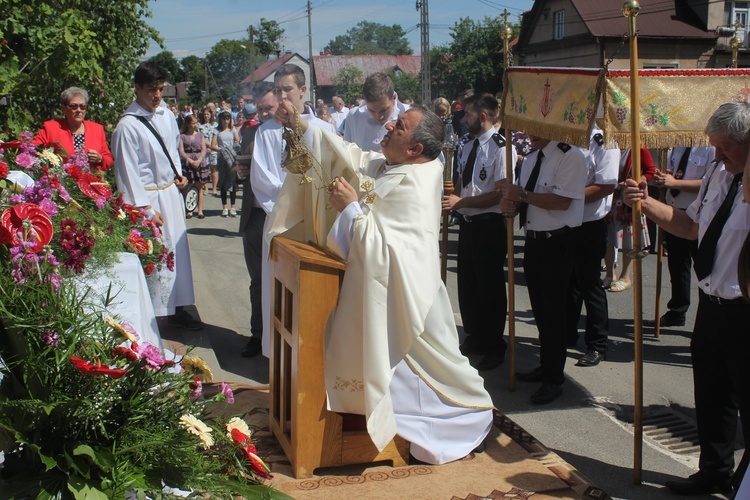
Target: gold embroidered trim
column 353, row 385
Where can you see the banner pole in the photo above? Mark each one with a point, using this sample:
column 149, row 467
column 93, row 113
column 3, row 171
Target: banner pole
column 630, row 9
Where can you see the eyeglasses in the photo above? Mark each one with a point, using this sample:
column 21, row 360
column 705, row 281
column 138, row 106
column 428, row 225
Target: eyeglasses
column 82, row 107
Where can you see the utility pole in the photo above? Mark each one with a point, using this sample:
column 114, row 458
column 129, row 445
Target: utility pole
column 312, row 66
column 205, row 75
column 252, row 58
column 424, row 24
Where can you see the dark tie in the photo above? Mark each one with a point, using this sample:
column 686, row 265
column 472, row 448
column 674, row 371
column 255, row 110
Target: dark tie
column 530, row 185
column 704, row 259
column 469, row 168
column 680, row 172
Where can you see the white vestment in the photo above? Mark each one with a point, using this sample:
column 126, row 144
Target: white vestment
column 362, row 129
column 142, row 171
column 391, row 347
column 266, row 179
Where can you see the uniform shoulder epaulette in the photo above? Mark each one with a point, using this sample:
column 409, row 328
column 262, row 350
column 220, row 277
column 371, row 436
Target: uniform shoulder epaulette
column 563, row 147
column 599, row 139
column 499, row 140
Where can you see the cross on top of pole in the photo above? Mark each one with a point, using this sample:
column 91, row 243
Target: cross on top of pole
column 505, row 15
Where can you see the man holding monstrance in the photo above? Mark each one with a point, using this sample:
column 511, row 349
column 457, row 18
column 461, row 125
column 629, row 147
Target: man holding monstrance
column 391, row 345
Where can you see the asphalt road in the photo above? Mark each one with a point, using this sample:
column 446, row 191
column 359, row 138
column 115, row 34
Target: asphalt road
column 588, row 426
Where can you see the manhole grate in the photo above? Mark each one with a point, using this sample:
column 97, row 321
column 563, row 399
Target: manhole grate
column 671, row 431
column 662, row 426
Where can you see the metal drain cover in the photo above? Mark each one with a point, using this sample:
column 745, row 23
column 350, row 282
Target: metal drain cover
column 663, row 426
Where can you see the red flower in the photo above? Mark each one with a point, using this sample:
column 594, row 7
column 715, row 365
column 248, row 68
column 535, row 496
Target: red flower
column 149, row 269
column 128, row 354
column 93, row 186
column 138, row 243
column 256, row 464
column 12, row 221
column 11, row 144
column 3, row 170
column 96, row 369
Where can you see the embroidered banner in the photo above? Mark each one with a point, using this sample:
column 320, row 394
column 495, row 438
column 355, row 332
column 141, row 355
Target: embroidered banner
column 555, row 103
column 674, row 104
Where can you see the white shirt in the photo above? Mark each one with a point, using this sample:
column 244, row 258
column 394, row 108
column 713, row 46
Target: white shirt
column 699, row 162
column 364, row 131
column 267, row 174
column 602, row 168
column 722, row 282
column 489, row 168
column 338, row 117
column 563, row 174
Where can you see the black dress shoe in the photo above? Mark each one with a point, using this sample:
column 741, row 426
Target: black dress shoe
column 253, row 348
column 490, row 361
column 591, row 358
column 700, row 484
column 546, row 394
column 668, row 320
column 535, row 375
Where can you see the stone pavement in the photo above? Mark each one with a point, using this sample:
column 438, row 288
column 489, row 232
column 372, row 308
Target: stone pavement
column 588, row 426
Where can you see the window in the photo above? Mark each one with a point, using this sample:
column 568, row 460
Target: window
column 661, row 66
column 558, row 24
column 740, row 14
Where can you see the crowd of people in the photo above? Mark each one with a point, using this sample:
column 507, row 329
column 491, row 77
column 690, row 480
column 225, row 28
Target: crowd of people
column 573, row 205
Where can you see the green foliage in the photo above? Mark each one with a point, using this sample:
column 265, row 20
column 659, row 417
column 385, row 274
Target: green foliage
column 371, row 38
column 267, row 37
column 228, row 64
column 49, row 46
column 407, row 86
column 167, row 60
column 348, row 83
column 473, row 58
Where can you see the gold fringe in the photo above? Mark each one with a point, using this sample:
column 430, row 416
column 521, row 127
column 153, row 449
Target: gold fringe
column 657, row 140
column 553, row 132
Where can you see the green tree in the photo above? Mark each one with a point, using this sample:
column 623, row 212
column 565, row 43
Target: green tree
column 407, row 86
column 473, row 59
column 228, row 64
column 48, row 46
column 167, row 60
column 371, row 38
column 348, row 82
column 267, row 37
column 195, row 72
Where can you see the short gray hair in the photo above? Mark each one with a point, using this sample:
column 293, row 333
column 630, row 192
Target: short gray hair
column 71, row 92
column 430, row 132
column 732, row 119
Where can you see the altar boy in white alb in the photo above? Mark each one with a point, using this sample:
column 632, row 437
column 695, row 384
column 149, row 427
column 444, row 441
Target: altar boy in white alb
column 392, row 348
column 150, row 177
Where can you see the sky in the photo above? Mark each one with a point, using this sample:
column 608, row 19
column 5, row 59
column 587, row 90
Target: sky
column 192, row 27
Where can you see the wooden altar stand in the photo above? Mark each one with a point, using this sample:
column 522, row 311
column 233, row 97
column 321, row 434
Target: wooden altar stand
column 304, row 290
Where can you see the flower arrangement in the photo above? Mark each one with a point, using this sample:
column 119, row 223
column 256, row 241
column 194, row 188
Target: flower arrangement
column 87, row 408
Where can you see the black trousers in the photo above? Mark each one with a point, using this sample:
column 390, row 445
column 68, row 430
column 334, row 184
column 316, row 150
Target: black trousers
column 252, row 241
column 721, row 375
column 548, row 269
column 482, row 299
column 680, row 262
column 585, row 286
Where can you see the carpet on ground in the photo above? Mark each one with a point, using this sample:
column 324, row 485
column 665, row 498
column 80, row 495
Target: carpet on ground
column 514, row 465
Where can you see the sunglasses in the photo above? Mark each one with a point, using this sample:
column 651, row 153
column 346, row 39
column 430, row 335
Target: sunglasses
column 82, row 107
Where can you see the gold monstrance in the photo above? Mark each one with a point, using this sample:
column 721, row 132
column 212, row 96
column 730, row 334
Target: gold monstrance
column 299, row 159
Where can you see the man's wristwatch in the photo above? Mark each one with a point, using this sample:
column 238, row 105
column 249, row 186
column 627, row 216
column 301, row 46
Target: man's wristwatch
column 524, row 194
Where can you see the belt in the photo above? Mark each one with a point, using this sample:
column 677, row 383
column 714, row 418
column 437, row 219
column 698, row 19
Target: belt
column 739, row 301
column 158, row 188
column 543, row 235
column 481, row 217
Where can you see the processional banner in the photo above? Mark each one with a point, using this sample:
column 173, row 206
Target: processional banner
column 554, row 103
column 674, row 104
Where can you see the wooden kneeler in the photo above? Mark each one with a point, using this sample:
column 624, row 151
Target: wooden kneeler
column 304, row 290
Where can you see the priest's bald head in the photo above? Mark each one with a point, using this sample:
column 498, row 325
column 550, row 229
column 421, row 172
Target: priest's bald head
column 415, row 137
